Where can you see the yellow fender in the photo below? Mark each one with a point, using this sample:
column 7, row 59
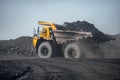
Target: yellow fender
column 35, row 39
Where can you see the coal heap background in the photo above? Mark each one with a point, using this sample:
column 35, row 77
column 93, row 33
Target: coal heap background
column 19, row 46
column 23, row 45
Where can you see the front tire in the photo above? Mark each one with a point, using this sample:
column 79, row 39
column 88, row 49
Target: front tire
column 45, row 50
column 72, row 50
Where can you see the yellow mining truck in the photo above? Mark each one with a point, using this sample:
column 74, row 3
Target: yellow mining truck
column 49, row 42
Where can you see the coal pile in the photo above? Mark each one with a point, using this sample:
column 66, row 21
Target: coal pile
column 19, row 46
column 87, row 27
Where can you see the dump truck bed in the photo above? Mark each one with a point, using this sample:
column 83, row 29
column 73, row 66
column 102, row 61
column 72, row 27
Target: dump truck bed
column 64, row 35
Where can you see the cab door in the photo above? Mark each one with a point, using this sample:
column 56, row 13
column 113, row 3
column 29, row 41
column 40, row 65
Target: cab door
column 45, row 33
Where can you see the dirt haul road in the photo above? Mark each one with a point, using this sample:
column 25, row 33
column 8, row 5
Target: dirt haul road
column 33, row 68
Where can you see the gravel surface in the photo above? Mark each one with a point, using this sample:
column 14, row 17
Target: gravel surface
column 59, row 69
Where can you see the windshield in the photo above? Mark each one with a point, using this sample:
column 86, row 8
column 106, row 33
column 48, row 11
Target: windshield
column 37, row 31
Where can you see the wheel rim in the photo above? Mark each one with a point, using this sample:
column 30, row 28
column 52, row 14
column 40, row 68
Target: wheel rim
column 72, row 52
column 44, row 51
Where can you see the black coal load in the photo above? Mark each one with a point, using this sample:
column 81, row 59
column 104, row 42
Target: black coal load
column 19, row 46
column 87, row 27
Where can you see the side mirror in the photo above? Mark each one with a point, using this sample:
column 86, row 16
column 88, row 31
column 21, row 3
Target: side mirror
column 34, row 35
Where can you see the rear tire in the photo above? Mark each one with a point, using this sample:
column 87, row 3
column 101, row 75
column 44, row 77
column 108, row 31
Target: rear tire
column 72, row 50
column 45, row 50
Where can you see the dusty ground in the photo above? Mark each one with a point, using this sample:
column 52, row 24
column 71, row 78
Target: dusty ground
column 33, row 68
